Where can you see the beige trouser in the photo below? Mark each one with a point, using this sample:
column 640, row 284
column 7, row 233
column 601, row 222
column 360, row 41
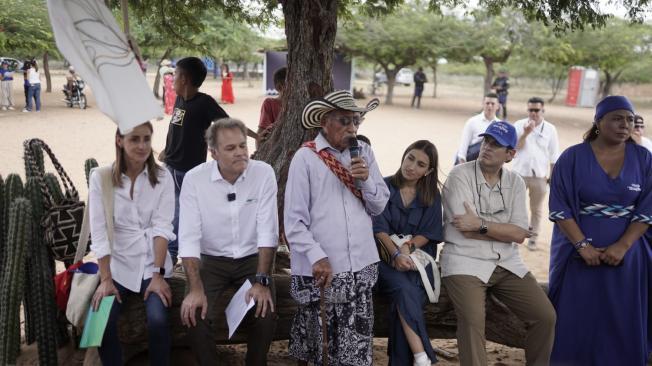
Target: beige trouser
column 537, row 188
column 523, row 296
column 5, row 92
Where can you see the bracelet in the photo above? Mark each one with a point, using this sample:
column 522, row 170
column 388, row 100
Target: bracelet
column 396, row 254
column 581, row 244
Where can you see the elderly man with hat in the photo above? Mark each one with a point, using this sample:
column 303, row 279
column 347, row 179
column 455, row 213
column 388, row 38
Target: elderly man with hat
column 484, row 221
column 334, row 187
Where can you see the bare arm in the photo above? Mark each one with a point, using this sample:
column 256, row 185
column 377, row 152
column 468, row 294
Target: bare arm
column 265, row 259
column 191, row 267
column 196, row 298
column 106, row 286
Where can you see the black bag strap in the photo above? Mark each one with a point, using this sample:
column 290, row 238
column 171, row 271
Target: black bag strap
column 70, row 190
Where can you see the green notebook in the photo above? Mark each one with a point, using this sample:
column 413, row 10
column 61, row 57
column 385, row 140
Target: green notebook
column 96, row 323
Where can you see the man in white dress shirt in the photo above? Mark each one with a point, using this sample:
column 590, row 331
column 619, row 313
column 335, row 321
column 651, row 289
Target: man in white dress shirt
column 228, row 233
column 470, row 142
column 537, row 151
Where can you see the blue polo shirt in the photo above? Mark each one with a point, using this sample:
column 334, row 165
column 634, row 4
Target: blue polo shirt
column 5, row 71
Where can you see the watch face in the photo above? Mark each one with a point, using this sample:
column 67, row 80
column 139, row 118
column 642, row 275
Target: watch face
column 483, row 229
column 263, row 280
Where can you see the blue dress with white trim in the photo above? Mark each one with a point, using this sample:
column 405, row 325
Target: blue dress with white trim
column 604, row 313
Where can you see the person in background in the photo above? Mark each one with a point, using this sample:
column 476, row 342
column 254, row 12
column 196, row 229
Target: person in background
column 185, row 146
column 474, row 126
column 600, row 259
column 419, row 80
column 34, row 91
column 25, row 69
column 537, row 151
column 166, row 71
column 6, row 86
column 638, row 133
column 414, row 208
column 227, row 85
column 500, row 86
column 271, row 107
column 137, row 261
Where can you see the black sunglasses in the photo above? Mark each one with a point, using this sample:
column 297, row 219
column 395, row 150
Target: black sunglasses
column 345, row 121
column 536, row 110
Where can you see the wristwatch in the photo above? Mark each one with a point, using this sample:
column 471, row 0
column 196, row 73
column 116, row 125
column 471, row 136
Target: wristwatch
column 483, row 227
column 159, row 270
column 264, row 279
column 581, row 244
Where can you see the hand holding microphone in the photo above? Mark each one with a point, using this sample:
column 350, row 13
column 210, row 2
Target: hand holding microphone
column 359, row 168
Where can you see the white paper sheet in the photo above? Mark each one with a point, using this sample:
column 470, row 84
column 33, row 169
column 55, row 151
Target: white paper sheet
column 238, row 308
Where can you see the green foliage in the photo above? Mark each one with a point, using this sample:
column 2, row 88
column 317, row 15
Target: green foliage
column 89, row 164
column 26, row 30
column 11, row 286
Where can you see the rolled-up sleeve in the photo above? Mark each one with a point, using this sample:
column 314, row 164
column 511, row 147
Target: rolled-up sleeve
column 374, row 190
column 99, row 236
column 297, row 210
column 267, row 214
column 164, row 212
column 190, row 229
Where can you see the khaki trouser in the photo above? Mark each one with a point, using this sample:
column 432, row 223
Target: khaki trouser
column 537, row 188
column 523, row 296
column 5, row 92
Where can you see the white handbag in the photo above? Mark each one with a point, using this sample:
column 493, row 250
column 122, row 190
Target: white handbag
column 84, row 284
column 421, row 260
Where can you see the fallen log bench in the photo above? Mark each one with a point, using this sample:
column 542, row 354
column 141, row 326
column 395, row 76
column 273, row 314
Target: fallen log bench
column 502, row 326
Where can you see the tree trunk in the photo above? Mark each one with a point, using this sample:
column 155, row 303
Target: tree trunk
column 391, row 81
column 609, row 82
column 124, row 6
column 489, row 73
column 502, row 326
column 46, row 71
column 157, row 79
column 557, row 82
column 434, row 80
column 310, row 28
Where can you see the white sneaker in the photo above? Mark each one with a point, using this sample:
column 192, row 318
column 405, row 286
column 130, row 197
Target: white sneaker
column 4, row 108
column 25, row 110
column 11, row 108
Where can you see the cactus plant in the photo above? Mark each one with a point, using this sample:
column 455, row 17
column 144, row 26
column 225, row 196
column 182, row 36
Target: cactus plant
column 89, row 164
column 38, row 156
column 52, row 182
column 42, row 316
column 2, row 210
column 11, row 287
column 13, row 189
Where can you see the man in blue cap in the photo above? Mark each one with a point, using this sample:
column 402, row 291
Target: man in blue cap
column 485, row 219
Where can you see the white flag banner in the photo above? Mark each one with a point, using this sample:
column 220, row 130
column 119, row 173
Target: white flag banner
column 89, row 38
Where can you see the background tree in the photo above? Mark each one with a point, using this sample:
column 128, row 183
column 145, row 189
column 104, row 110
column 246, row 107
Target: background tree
column 393, row 41
column 612, row 49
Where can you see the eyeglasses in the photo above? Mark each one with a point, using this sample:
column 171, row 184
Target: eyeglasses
column 534, row 110
column 639, row 127
column 345, row 121
column 479, row 209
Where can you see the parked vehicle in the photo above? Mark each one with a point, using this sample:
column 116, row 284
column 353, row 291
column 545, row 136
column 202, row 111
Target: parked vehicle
column 404, row 76
column 75, row 97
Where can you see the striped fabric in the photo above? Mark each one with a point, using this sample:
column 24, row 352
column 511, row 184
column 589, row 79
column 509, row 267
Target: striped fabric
column 606, row 211
column 337, row 168
column 339, row 99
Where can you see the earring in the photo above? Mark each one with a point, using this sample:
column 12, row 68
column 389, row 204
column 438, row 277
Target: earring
column 597, row 131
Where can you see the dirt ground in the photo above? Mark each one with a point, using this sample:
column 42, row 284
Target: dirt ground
column 75, row 135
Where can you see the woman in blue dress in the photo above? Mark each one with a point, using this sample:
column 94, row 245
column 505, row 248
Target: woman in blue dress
column 600, row 260
column 414, row 208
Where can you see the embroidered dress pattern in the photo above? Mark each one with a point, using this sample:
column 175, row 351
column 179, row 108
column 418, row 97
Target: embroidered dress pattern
column 606, row 211
column 349, row 317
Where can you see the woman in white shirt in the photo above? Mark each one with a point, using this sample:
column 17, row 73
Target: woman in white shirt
column 137, row 261
column 34, row 91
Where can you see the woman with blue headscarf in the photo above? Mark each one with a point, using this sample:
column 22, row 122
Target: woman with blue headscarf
column 600, row 260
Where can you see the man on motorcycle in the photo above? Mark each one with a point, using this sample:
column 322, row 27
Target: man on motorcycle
column 71, row 77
